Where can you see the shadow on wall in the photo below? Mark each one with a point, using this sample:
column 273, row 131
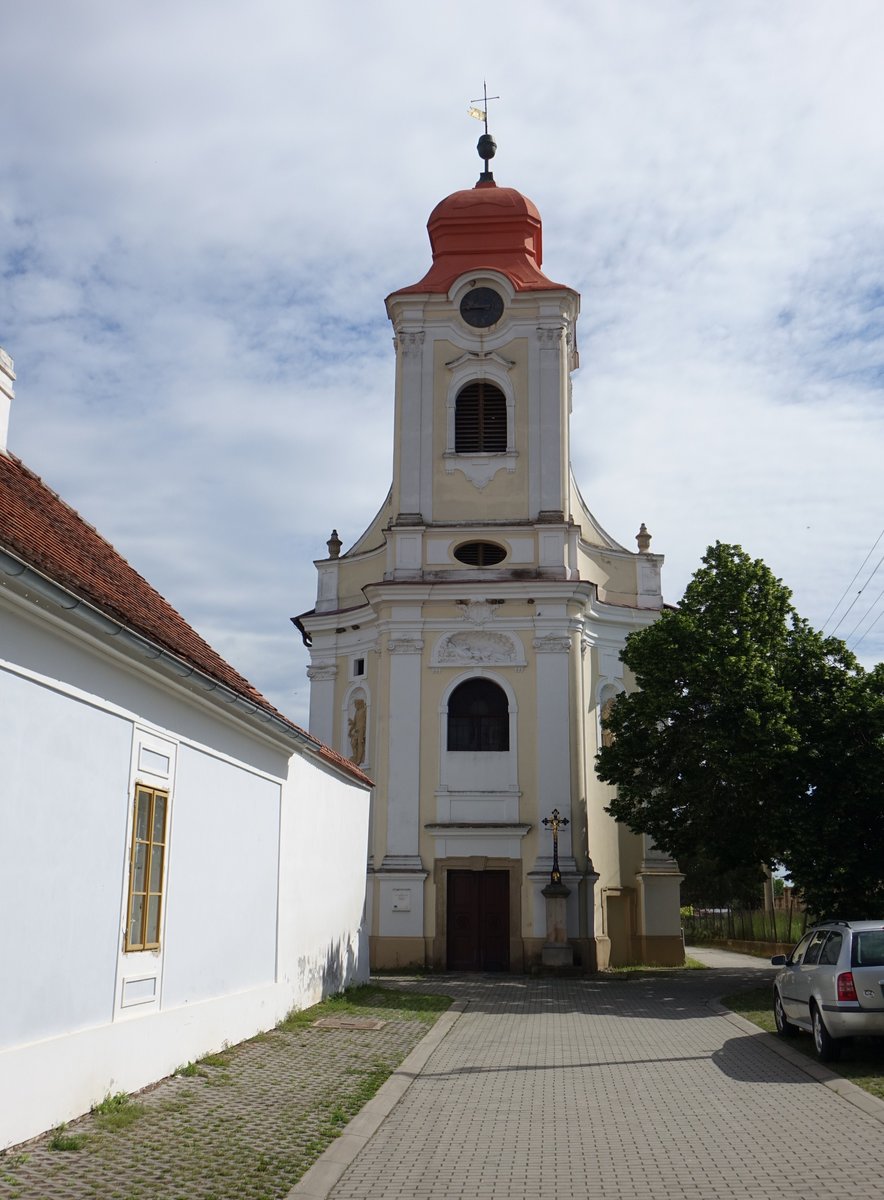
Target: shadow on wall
column 344, row 964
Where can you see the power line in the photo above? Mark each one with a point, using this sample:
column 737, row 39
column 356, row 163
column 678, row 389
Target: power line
column 869, row 630
column 853, row 581
column 865, row 616
column 859, row 593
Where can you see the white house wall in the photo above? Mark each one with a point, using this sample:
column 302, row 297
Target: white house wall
column 254, row 922
column 223, row 879
column 61, row 854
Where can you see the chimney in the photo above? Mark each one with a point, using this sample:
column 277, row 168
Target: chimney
column 7, row 378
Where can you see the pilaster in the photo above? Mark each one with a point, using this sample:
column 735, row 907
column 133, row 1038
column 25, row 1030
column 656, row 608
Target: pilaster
column 322, row 673
column 552, row 663
column 403, row 783
column 412, row 418
column 552, row 448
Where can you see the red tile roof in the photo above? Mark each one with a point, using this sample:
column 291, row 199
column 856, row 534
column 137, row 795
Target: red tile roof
column 40, row 529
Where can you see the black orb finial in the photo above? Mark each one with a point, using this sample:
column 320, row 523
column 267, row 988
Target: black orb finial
column 487, row 148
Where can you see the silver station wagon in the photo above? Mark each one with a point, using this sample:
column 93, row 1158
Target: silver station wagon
column 832, row 984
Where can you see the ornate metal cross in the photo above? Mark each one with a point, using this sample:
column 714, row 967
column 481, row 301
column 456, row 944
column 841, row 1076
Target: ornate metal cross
column 555, row 822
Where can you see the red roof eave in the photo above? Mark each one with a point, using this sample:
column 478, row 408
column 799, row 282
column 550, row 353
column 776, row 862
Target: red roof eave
column 44, row 533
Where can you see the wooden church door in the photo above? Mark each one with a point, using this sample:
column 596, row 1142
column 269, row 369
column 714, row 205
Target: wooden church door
column 478, row 921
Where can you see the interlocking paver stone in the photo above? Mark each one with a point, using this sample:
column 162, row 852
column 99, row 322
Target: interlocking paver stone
column 631, row 1088
column 237, row 1132
column 623, row 1089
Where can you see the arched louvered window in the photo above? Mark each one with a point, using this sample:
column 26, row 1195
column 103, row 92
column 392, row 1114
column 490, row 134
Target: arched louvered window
column 480, row 419
column 478, row 717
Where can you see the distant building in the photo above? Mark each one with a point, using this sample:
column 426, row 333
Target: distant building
column 160, row 884
column 463, row 648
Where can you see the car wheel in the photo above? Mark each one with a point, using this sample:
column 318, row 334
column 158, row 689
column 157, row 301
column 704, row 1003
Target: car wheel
column 785, row 1028
column 827, row 1049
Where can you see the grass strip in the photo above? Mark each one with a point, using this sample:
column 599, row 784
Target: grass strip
column 690, row 964
column 369, row 1000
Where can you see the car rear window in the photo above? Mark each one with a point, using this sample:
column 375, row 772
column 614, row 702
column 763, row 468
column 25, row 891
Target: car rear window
column 868, row 948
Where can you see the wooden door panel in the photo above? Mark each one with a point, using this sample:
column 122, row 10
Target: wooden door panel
column 463, row 927
column 495, row 917
column 478, row 921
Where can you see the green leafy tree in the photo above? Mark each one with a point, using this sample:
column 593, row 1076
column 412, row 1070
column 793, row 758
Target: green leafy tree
column 832, row 840
column 707, row 885
column 752, row 738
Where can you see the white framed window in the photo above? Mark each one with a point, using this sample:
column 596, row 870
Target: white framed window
column 478, row 717
column 480, row 408
column 480, row 419
column 147, row 862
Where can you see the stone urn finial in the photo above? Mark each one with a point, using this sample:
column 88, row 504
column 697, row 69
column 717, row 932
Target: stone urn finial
column 334, row 545
column 644, row 539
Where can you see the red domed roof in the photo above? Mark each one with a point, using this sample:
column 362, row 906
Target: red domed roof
column 488, row 227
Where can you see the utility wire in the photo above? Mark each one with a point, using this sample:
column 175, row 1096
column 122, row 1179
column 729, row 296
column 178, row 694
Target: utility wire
column 865, row 616
column 853, row 581
column 869, row 630
column 858, row 594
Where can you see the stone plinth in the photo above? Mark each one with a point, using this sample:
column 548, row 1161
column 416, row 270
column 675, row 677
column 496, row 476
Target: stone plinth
column 557, row 950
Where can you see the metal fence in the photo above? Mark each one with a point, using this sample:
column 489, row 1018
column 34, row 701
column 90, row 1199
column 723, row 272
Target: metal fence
column 744, row 925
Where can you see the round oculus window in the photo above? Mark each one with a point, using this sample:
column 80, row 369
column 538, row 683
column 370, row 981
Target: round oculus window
column 480, row 554
column 481, row 307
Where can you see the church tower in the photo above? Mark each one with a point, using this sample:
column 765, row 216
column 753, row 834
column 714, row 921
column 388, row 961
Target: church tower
column 464, row 646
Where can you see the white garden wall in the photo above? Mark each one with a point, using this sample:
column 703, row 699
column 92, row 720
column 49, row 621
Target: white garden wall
column 264, row 891
column 323, row 942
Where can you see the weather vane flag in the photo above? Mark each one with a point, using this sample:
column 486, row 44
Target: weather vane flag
column 481, row 114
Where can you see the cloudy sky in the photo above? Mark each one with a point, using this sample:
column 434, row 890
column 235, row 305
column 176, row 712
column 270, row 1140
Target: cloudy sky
column 203, row 205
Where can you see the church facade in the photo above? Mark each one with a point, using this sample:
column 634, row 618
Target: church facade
column 463, row 649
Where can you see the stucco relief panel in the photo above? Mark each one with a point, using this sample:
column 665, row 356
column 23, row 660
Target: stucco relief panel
column 478, row 647
column 552, row 644
column 322, row 670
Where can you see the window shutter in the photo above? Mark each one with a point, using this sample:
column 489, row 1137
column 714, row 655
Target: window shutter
column 480, row 419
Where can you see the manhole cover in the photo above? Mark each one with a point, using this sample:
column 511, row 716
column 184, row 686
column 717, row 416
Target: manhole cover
column 348, row 1023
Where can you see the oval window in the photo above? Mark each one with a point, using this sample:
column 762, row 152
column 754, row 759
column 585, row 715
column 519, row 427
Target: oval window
column 480, row 554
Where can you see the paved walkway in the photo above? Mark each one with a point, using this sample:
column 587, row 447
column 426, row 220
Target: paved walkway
column 628, row 1089
column 240, row 1125
column 729, row 960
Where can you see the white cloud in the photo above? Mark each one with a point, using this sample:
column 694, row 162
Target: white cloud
column 207, row 203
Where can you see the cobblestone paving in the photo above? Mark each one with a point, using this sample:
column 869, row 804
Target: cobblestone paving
column 247, row 1129
column 627, row 1088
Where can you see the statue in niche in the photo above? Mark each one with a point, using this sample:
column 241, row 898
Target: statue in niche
column 356, row 731
column 607, row 734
